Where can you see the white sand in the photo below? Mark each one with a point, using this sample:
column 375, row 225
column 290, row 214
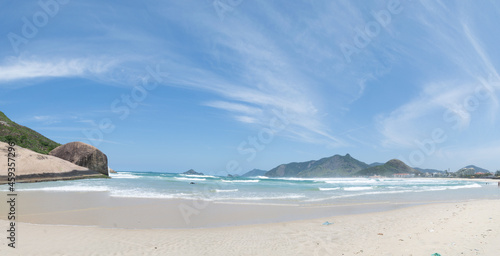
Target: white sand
column 469, row 228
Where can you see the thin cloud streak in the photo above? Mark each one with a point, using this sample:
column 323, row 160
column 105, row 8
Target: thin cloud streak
column 20, row 68
column 233, row 107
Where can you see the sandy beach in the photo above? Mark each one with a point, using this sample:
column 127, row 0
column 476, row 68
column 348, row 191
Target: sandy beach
column 460, row 228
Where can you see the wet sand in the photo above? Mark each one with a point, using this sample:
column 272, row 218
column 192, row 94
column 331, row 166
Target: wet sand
column 100, row 209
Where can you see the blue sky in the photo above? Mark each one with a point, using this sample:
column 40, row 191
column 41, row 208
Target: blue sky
column 226, row 86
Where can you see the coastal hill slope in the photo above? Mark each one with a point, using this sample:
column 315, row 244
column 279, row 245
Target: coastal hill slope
column 335, row 166
column 38, row 167
column 388, row 169
column 476, row 169
column 470, row 170
column 24, row 136
column 33, row 162
column 254, row 173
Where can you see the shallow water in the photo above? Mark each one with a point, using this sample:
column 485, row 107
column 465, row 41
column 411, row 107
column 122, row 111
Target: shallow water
column 262, row 190
column 163, row 200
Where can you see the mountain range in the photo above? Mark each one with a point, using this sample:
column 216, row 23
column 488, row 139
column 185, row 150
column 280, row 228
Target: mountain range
column 347, row 166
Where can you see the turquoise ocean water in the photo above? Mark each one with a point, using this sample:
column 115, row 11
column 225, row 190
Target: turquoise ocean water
column 261, row 190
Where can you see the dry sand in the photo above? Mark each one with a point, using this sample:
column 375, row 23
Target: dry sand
column 466, row 228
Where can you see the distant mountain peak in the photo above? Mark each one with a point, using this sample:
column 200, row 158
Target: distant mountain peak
column 475, row 169
column 391, row 167
column 333, row 166
column 396, row 162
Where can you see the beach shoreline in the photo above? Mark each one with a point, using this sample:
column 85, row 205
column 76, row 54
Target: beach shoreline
column 104, row 209
column 469, row 227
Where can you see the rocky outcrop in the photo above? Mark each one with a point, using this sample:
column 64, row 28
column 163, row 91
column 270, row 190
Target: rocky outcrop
column 83, row 155
column 111, row 170
column 34, row 167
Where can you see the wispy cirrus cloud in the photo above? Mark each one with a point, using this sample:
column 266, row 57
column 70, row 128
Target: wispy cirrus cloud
column 22, row 68
column 416, row 119
column 260, row 75
column 467, row 79
column 234, row 107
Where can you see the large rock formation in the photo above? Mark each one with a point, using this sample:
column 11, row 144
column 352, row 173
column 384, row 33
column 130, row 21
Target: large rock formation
column 83, row 155
column 32, row 167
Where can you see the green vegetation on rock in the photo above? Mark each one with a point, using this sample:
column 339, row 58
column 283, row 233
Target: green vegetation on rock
column 341, row 166
column 335, row 166
column 388, row 169
column 24, row 136
column 472, row 171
